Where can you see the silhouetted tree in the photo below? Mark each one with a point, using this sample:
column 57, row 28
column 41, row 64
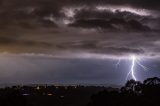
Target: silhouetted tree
column 151, row 87
column 132, row 87
column 134, row 93
column 152, row 81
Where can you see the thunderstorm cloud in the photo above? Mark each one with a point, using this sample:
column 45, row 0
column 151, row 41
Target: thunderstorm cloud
column 80, row 27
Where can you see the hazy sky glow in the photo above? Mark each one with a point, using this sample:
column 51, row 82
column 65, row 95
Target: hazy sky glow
column 38, row 32
column 39, row 69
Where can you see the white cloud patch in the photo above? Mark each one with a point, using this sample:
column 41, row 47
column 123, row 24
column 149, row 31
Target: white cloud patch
column 138, row 11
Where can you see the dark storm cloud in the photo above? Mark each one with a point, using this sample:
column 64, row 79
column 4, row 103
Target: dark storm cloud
column 120, row 50
column 45, row 13
column 112, row 24
column 10, row 41
column 26, row 14
column 105, row 14
column 95, row 46
column 91, row 18
column 148, row 4
column 16, row 46
column 115, row 27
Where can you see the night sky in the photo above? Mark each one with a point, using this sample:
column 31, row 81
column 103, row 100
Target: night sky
column 78, row 41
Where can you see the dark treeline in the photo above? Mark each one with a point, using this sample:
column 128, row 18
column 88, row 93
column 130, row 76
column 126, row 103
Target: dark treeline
column 43, row 95
column 133, row 93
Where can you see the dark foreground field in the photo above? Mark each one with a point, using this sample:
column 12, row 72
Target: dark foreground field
column 134, row 93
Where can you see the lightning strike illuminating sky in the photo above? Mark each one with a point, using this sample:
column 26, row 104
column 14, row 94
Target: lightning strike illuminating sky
column 37, row 32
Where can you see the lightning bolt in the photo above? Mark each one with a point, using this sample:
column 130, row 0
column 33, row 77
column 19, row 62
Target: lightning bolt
column 118, row 63
column 135, row 61
column 142, row 66
column 132, row 68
